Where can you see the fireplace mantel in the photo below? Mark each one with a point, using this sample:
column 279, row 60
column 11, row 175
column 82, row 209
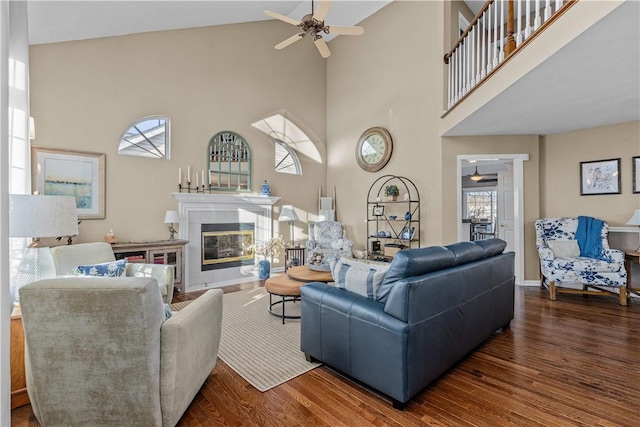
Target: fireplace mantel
column 196, row 209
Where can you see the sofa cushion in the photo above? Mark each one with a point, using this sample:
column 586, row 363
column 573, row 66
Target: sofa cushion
column 109, row 269
column 414, row 262
column 564, row 248
column 357, row 276
column 466, row 252
column 492, row 247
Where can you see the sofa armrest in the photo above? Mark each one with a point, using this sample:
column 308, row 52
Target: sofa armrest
column 545, row 253
column 189, row 343
column 613, row 255
column 164, row 275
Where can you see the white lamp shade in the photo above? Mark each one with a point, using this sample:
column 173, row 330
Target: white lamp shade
column 288, row 213
column 171, row 217
column 635, row 218
column 42, row 216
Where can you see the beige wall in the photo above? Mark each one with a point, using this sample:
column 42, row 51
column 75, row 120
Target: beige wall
column 561, row 155
column 85, row 93
column 392, row 77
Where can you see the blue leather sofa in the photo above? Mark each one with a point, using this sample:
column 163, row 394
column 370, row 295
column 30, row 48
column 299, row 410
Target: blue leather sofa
column 434, row 306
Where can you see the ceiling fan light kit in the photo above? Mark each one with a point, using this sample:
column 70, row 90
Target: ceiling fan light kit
column 313, row 25
column 476, row 176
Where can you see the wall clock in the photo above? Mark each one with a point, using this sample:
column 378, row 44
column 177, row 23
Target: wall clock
column 374, row 149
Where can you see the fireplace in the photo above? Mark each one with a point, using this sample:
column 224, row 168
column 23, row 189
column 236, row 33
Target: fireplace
column 218, row 259
column 226, row 245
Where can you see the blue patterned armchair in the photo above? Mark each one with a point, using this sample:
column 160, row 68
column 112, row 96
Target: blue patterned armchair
column 563, row 260
column 327, row 240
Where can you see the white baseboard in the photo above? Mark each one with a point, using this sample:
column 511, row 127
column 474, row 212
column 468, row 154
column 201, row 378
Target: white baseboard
column 530, row 283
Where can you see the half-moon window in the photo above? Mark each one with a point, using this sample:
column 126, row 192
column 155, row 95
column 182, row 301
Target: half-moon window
column 286, row 159
column 148, row 137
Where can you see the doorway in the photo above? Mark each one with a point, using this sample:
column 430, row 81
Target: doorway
column 502, row 178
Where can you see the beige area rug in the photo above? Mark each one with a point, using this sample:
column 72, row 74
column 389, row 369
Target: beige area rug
column 256, row 344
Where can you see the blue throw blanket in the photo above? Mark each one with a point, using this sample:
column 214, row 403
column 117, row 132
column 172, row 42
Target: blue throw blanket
column 589, row 237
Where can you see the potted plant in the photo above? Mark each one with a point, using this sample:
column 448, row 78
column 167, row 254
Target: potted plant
column 391, row 192
column 268, row 249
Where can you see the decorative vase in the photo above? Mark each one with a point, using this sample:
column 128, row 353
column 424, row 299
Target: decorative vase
column 110, row 237
column 407, row 216
column 265, row 190
column 264, row 269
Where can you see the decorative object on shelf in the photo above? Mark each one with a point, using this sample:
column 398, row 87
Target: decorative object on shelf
column 377, row 210
column 374, row 148
column 38, row 216
column 65, row 172
column 391, row 192
column 313, row 25
column 635, row 220
column 407, row 216
column 265, row 190
column 407, row 233
column 393, row 217
column 110, row 237
column 288, row 213
column 171, row 217
column 600, row 177
column 228, row 163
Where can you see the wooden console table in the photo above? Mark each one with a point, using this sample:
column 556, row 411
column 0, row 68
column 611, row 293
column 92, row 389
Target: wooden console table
column 19, row 396
column 170, row 252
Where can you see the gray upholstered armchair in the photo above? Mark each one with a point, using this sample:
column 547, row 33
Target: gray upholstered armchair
column 98, row 351
column 67, row 258
column 327, row 240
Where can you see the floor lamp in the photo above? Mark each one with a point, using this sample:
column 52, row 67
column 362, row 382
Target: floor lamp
column 288, row 213
column 39, row 216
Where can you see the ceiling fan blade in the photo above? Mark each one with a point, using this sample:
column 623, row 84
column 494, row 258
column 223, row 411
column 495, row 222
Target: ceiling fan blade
column 282, row 17
column 290, row 40
column 322, row 47
column 322, row 10
column 347, row 31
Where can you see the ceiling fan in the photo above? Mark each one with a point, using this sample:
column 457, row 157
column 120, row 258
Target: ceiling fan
column 313, row 25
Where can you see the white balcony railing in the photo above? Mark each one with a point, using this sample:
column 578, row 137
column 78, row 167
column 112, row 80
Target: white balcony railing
column 501, row 28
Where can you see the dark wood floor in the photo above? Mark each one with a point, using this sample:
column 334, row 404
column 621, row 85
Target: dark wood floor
column 575, row 361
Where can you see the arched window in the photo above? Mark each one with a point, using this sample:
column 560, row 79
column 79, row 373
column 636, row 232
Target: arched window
column 286, row 159
column 147, row 137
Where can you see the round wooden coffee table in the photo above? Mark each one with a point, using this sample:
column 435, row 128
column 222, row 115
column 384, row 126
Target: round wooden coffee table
column 304, row 274
column 288, row 286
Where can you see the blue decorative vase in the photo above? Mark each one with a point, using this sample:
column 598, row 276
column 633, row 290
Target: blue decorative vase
column 264, row 269
column 407, row 216
column 265, row 190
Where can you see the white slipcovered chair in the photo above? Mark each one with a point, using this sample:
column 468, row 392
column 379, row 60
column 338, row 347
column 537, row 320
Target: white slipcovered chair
column 563, row 261
column 67, row 258
column 99, row 352
column 327, row 241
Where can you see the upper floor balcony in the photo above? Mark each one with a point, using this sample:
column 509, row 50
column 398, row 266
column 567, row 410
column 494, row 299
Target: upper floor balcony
column 543, row 67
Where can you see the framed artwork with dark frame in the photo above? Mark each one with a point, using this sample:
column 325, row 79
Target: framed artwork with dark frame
column 377, row 210
column 80, row 174
column 600, row 177
column 636, row 174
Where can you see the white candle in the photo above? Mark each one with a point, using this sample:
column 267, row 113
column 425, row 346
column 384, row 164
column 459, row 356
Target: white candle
column 203, row 181
column 188, row 173
column 179, row 176
column 197, row 180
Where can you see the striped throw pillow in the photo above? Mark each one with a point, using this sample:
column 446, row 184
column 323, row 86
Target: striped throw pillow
column 358, row 277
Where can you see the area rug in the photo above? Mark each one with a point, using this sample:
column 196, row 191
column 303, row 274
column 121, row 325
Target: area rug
column 256, row 344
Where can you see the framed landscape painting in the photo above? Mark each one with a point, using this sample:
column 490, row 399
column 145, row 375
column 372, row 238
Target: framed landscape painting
column 80, row 174
column 636, row 174
column 600, row 177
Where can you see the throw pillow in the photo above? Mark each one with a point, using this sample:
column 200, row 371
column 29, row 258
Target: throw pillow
column 564, row 248
column 358, row 277
column 109, row 269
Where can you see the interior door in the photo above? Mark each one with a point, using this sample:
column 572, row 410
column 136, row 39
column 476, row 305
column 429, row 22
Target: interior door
column 506, row 221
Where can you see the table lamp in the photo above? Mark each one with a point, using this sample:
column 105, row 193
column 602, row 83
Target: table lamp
column 288, row 213
column 170, row 218
column 40, row 216
column 635, row 220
